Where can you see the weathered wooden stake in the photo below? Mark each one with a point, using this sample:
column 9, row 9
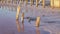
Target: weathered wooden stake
column 59, row 3
column 22, row 18
column 31, row 2
column 52, row 4
column 37, row 21
column 20, row 0
column 43, row 3
column 26, row 2
column 0, row 1
column 18, row 11
column 36, row 3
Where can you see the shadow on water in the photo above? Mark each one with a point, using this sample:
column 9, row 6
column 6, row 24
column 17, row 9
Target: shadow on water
column 51, row 21
column 30, row 19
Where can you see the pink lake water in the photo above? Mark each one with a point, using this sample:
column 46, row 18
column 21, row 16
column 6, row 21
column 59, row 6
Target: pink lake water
column 50, row 20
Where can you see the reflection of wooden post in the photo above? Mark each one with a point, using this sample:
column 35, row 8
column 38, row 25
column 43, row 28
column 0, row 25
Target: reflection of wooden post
column 31, row 2
column 22, row 27
column 18, row 25
column 43, row 3
column 37, row 30
column 37, row 21
column 36, row 3
column 18, row 11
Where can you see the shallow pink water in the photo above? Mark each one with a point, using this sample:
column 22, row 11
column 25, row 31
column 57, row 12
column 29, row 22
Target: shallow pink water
column 8, row 22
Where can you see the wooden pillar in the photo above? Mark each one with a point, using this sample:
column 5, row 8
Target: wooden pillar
column 26, row 2
column 37, row 21
column 43, row 3
column 31, row 2
column 59, row 3
column 18, row 11
column 20, row 0
column 36, row 3
column 52, row 3
column 0, row 1
column 22, row 18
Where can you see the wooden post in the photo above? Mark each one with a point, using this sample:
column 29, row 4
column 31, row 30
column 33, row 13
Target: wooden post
column 52, row 4
column 59, row 3
column 18, row 25
column 37, row 21
column 18, row 11
column 36, row 3
column 22, row 18
column 0, row 1
column 26, row 2
column 20, row 1
column 43, row 3
column 31, row 2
